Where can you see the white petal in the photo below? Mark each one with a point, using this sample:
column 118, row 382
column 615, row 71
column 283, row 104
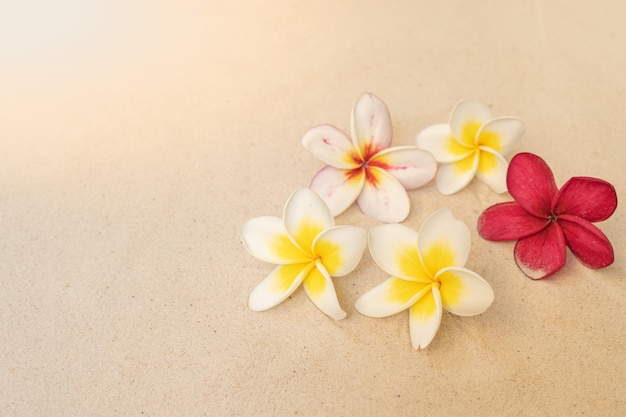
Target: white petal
column 394, row 249
column 408, row 164
column 306, row 216
column 370, row 125
column 443, row 241
column 425, row 318
column 455, row 176
column 439, row 141
column 492, row 168
column 391, row 297
column 266, row 238
column 385, row 199
column 340, row 249
column 464, row 292
column 319, row 286
column 278, row 285
column 332, row 146
column 338, row 188
column 502, row 134
column 466, row 118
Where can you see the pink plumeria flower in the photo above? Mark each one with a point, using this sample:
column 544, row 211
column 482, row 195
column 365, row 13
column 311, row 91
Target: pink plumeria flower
column 544, row 220
column 307, row 248
column 365, row 169
column 471, row 144
column 427, row 275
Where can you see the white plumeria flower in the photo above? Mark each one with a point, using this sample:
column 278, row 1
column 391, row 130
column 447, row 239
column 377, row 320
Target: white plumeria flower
column 365, row 168
column 308, row 248
column 471, row 144
column 427, row 275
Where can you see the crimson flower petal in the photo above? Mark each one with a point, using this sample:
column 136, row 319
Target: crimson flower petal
column 508, row 221
column 592, row 248
column 591, row 199
column 542, row 254
column 531, row 183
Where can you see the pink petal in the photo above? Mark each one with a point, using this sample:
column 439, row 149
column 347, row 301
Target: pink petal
column 531, row 183
column 542, row 254
column 508, row 221
column 408, row 164
column 384, row 198
column 331, row 145
column 592, row 248
column 371, row 125
column 592, row 199
column 337, row 188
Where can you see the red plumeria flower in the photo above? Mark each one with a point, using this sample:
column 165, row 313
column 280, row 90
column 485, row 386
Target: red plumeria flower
column 544, row 220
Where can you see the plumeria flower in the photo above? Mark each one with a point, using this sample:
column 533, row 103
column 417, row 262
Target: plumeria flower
column 471, row 144
column 427, row 275
column 544, row 220
column 308, row 249
column 365, row 169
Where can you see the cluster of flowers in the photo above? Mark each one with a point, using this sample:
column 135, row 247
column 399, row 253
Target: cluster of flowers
column 426, row 268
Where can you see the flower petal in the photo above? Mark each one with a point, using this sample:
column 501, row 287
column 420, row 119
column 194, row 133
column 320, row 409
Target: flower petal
column 391, row 297
column 278, row 285
column 466, row 118
column 502, row 134
column 592, row 248
column 338, row 188
column 394, row 249
column 306, row 216
column 425, row 318
column 266, row 239
column 455, row 176
column 320, row 289
column 464, row 292
column 508, row 221
column 370, row 125
column 384, row 198
column 331, row 145
column 492, row 169
column 439, row 141
column 408, row 164
column 340, row 249
column 542, row 254
column 531, row 183
column 592, row 199
column 443, row 241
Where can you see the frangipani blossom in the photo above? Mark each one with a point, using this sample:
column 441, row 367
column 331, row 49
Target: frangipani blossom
column 471, row 144
column 427, row 275
column 544, row 220
column 365, row 168
column 307, row 248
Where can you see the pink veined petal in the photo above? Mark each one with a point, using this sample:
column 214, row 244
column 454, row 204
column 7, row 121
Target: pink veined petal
column 408, row 164
column 508, row 221
column 425, row 318
column 592, row 248
column 370, row 125
column 278, row 285
column 384, row 199
column 332, row 146
column 443, row 241
column 492, row 169
column 340, row 249
column 466, row 118
column 502, row 134
column 266, row 239
column 439, row 141
column 455, row 176
column 338, row 188
column 531, row 183
column 589, row 198
column 320, row 289
column 306, row 216
column 464, row 292
column 391, row 297
column 542, row 254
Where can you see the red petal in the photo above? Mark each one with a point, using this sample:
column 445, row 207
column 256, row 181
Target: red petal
column 592, row 199
column 592, row 248
column 508, row 221
column 542, row 254
column 531, row 183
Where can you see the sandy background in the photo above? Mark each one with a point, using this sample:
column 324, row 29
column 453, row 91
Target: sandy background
column 136, row 139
